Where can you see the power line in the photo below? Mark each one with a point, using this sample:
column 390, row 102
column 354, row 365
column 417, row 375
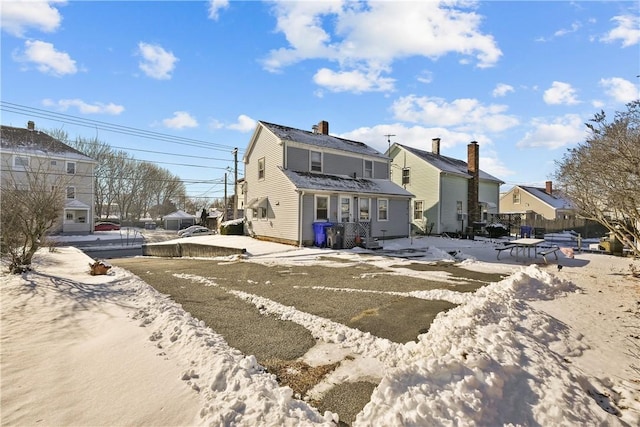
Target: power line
column 126, row 130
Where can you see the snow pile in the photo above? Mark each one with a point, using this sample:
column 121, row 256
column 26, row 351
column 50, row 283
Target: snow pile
column 491, row 361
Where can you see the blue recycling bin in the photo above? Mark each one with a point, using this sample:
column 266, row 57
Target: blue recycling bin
column 525, row 231
column 320, row 235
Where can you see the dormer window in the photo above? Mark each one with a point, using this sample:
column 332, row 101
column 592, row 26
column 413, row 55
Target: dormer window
column 368, row 169
column 316, row 161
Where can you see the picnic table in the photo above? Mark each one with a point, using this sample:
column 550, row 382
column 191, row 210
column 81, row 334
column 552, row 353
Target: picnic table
column 523, row 247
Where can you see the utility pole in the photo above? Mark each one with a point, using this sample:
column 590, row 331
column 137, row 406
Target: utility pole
column 235, row 183
column 225, row 196
column 389, row 139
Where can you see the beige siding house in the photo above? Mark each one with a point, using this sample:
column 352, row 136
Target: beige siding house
column 530, row 203
column 296, row 178
column 27, row 151
column 450, row 194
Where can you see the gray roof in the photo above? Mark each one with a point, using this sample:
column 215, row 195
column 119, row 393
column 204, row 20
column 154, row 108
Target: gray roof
column 448, row 164
column 321, row 140
column 344, row 183
column 37, row 143
column 555, row 200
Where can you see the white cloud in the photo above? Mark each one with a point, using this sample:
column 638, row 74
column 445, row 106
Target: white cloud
column 352, row 81
column 156, row 62
column 502, row 89
column 244, row 124
column 370, row 37
column 18, row 16
column 180, row 120
column 560, row 93
column 463, row 114
column 620, row 89
column 215, row 6
column 46, row 58
column 627, row 30
column 425, row 77
column 562, row 131
column 83, row 107
column 564, row 31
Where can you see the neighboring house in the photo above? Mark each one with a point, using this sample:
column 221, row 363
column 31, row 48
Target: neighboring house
column 534, row 203
column 295, row 178
column 450, row 194
column 178, row 220
column 29, row 151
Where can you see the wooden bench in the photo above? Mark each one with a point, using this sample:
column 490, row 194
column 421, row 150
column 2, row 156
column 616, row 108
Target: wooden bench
column 504, row 248
column 552, row 250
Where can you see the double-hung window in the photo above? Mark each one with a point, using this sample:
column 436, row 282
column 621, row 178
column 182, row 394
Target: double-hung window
column 322, row 208
column 71, row 192
column 368, row 169
column 364, row 209
column 71, row 168
column 418, row 210
column 316, row 161
column 261, row 168
column 383, row 209
column 406, row 176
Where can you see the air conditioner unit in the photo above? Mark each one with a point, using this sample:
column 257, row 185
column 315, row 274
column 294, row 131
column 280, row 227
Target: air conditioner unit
column 462, row 216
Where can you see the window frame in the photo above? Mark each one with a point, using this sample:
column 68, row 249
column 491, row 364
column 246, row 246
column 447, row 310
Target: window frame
column 349, row 211
column 360, row 210
column 317, row 163
column 367, row 172
column 316, row 199
column 71, row 190
column 261, row 168
column 384, row 202
column 20, row 165
column 421, row 210
column 406, row 178
column 75, row 168
column 516, row 197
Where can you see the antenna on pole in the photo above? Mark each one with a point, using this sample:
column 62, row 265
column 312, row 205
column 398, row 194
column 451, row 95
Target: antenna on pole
column 389, row 139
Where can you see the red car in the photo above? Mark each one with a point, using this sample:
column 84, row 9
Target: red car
column 106, row 226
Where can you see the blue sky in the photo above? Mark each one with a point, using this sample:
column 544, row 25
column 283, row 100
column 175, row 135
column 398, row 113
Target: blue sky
column 519, row 77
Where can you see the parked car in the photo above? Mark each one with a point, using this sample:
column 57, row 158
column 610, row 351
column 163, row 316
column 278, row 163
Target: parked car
column 202, row 231
column 190, row 229
column 106, row 226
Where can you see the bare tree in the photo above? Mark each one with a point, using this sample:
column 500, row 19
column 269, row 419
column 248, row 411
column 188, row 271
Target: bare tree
column 602, row 175
column 33, row 202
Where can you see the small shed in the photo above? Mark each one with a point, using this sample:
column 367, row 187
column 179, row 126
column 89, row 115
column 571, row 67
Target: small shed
column 178, row 220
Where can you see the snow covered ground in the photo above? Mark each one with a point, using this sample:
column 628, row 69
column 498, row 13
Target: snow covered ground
column 542, row 347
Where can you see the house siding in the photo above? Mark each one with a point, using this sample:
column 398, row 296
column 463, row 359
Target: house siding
column 454, row 189
column 282, row 209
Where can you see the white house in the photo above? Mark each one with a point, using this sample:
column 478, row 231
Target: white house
column 297, row 178
column 27, row 151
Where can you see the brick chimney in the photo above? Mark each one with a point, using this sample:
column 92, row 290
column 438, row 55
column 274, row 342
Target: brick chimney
column 323, row 127
column 435, row 146
column 548, row 187
column 31, row 125
column 473, row 168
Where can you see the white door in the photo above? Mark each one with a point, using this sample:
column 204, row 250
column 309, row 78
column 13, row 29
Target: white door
column 345, row 209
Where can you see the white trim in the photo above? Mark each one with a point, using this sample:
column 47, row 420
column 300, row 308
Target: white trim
column 386, row 210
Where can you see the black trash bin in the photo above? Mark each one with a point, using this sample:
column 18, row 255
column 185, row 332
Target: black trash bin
column 335, row 235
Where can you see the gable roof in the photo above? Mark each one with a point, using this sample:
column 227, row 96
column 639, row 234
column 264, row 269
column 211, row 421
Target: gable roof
column 314, row 181
column 448, row 164
column 321, row 140
column 37, row 143
column 556, row 200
